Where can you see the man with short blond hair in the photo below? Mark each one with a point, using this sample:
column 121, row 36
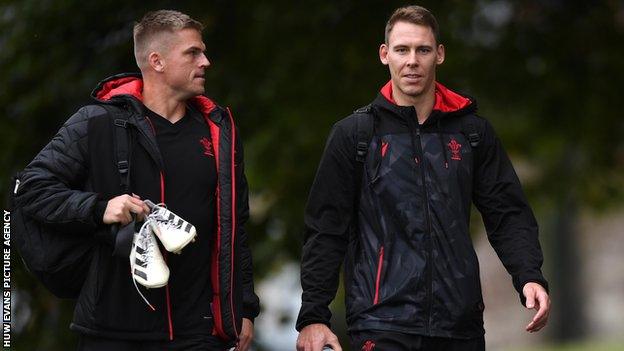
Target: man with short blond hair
column 183, row 152
column 148, row 33
column 392, row 199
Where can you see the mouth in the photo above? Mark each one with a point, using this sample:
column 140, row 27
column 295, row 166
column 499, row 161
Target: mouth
column 412, row 76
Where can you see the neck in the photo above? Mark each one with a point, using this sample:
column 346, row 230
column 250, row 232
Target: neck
column 158, row 98
column 423, row 103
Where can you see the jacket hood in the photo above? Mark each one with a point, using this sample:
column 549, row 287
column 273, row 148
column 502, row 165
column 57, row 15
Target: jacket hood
column 447, row 102
column 128, row 87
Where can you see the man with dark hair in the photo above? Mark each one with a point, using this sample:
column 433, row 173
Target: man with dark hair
column 184, row 152
column 392, row 198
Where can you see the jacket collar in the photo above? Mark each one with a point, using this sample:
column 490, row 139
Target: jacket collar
column 127, row 88
column 447, row 103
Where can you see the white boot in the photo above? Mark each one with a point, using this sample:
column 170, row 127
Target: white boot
column 147, row 265
column 146, row 262
column 174, row 232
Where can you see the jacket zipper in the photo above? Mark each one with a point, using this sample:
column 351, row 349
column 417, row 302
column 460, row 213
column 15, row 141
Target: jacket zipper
column 162, row 200
column 167, row 293
column 378, row 279
column 429, row 238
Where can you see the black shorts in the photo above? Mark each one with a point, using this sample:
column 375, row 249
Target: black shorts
column 190, row 343
column 393, row 341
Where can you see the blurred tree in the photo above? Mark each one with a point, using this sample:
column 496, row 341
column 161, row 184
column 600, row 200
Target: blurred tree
column 549, row 71
column 546, row 73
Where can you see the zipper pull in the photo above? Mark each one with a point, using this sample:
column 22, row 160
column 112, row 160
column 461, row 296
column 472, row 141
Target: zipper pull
column 17, row 184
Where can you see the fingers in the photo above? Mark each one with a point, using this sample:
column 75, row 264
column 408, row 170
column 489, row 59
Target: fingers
column 333, row 342
column 119, row 209
column 136, row 200
column 541, row 303
column 246, row 335
column 315, row 336
column 314, row 346
column 127, row 218
column 335, row 345
column 243, row 344
column 543, row 308
column 530, row 298
column 140, row 210
column 541, row 318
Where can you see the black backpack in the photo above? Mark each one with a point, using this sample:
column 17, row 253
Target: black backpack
column 61, row 260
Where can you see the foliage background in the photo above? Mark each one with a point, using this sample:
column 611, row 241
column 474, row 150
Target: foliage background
column 546, row 73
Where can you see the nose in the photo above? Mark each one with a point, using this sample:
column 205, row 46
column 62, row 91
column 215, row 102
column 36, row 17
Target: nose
column 204, row 62
column 412, row 59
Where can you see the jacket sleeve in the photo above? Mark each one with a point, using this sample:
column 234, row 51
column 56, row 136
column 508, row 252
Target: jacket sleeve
column 251, row 303
column 327, row 218
column 49, row 188
column 509, row 221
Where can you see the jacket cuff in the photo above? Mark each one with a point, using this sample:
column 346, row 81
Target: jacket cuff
column 304, row 323
column 250, row 311
column 311, row 313
column 98, row 212
column 249, row 315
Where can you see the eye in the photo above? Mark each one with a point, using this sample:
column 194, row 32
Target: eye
column 195, row 52
column 424, row 50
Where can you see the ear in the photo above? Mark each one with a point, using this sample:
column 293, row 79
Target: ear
column 156, row 61
column 440, row 54
column 383, row 54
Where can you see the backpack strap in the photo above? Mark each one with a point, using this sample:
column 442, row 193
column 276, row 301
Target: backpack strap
column 473, row 135
column 122, row 236
column 470, row 131
column 364, row 124
column 122, row 142
column 365, row 129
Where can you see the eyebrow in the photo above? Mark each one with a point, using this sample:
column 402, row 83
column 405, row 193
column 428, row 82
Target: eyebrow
column 194, row 48
column 424, row 46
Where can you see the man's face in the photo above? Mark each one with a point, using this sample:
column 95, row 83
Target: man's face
column 184, row 63
column 412, row 55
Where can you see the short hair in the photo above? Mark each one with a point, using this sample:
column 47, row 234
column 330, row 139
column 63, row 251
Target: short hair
column 157, row 22
column 416, row 15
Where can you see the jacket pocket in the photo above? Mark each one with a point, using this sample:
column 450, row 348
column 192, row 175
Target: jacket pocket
column 378, row 277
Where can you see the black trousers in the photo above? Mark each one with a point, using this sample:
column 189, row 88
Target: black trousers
column 392, row 341
column 194, row 343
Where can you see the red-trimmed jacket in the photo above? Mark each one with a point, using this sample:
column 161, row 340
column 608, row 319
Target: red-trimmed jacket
column 70, row 181
column 403, row 230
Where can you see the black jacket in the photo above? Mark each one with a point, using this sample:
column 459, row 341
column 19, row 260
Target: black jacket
column 410, row 265
column 70, row 181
